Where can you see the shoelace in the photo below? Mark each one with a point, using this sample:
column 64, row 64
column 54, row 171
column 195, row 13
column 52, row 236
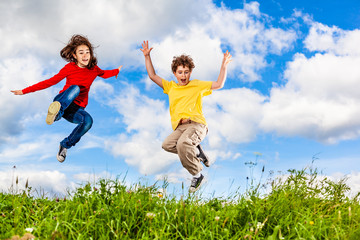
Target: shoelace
column 63, row 153
column 193, row 182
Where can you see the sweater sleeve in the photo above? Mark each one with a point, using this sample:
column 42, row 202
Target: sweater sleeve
column 108, row 73
column 47, row 83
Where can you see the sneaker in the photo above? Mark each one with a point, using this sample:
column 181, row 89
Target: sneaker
column 203, row 156
column 53, row 110
column 196, row 183
column 61, row 154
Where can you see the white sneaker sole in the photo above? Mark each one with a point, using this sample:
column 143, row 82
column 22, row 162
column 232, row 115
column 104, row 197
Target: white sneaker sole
column 53, row 110
column 192, row 190
column 61, row 158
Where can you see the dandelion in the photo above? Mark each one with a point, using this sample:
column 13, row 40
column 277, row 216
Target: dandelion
column 260, row 225
column 30, row 230
column 311, row 223
column 150, row 215
column 217, row 218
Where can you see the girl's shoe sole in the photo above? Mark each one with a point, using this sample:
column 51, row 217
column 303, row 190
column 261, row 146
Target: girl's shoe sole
column 53, row 110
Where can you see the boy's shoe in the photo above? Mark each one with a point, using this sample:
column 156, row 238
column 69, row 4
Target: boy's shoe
column 196, row 183
column 53, row 110
column 203, row 156
column 61, row 154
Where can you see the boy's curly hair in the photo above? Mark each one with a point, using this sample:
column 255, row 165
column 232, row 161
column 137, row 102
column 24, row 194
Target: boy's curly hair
column 76, row 40
column 183, row 60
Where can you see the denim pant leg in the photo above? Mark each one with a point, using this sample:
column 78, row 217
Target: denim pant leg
column 66, row 98
column 76, row 114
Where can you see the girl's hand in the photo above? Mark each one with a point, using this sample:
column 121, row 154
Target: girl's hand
column 227, row 58
column 145, row 48
column 17, row 92
column 119, row 70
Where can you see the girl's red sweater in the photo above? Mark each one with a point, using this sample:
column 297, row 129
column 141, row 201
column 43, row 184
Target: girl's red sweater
column 74, row 75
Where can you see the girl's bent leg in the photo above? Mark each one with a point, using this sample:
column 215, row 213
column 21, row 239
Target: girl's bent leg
column 77, row 115
column 66, row 98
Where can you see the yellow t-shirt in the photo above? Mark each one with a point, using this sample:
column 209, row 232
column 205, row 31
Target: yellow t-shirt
column 186, row 101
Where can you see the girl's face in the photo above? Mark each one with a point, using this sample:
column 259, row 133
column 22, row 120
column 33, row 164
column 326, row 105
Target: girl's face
column 182, row 75
column 82, row 55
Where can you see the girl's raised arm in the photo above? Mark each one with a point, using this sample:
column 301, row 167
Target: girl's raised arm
column 17, row 92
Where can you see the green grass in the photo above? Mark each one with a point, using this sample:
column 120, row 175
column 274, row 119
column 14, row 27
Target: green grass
column 303, row 205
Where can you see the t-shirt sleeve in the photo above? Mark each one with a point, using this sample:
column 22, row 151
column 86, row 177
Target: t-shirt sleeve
column 205, row 87
column 107, row 73
column 166, row 86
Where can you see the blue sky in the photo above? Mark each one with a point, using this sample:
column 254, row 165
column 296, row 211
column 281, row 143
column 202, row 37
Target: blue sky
column 290, row 93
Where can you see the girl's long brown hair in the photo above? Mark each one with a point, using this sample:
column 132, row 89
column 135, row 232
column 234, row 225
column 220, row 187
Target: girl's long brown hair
column 76, row 40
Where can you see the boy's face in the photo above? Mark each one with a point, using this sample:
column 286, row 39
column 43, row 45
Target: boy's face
column 182, row 75
column 82, row 55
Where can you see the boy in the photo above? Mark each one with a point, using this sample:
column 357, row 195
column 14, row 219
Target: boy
column 187, row 119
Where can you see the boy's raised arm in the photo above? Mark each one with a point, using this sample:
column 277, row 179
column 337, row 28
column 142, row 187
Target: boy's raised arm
column 223, row 71
column 149, row 66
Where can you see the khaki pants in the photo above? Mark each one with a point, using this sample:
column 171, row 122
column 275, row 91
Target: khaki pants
column 183, row 141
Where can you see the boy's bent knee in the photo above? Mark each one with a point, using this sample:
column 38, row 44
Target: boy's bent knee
column 166, row 147
column 169, row 147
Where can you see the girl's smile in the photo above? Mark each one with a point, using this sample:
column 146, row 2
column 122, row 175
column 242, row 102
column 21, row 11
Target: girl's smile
column 82, row 55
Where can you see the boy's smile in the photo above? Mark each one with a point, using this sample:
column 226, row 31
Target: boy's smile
column 182, row 75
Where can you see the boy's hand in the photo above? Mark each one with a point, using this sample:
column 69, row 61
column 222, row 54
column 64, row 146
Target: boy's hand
column 145, row 48
column 227, row 58
column 17, row 92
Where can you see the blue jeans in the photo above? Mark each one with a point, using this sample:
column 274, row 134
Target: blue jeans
column 74, row 114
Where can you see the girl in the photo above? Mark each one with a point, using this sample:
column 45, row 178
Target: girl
column 71, row 101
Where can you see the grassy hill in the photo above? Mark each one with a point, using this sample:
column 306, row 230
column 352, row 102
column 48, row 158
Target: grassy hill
column 302, row 205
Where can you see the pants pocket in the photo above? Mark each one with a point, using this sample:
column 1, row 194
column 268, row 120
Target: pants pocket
column 196, row 138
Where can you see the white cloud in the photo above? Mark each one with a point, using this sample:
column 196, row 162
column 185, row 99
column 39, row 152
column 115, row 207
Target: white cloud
column 18, row 73
column 233, row 115
column 92, row 177
column 100, row 88
column 32, row 45
column 50, row 182
column 175, row 176
column 319, row 100
column 30, row 147
column 333, row 40
column 353, row 181
column 147, row 123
